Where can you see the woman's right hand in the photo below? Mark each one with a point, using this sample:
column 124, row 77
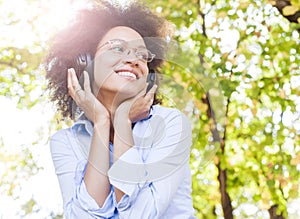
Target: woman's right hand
column 94, row 110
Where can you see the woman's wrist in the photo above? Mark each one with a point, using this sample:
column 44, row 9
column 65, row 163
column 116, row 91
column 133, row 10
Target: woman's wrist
column 121, row 117
column 100, row 120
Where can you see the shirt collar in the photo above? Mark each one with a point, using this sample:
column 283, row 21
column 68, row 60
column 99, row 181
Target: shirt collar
column 84, row 123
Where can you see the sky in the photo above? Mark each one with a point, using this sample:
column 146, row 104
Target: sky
column 19, row 129
column 28, row 129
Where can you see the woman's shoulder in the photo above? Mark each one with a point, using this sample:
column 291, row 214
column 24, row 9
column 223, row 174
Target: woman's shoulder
column 61, row 134
column 161, row 110
column 170, row 116
column 167, row 112
column 64, row 142
column 81, row 125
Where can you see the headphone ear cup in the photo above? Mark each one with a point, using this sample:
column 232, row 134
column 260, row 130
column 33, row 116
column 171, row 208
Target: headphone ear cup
column 89, row 68
column 85, row 63
column 80, row 64
column 82, row 60
column 151, row 79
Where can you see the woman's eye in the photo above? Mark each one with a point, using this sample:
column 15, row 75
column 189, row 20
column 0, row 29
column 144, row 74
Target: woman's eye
column 117, row 48
column 142, row 55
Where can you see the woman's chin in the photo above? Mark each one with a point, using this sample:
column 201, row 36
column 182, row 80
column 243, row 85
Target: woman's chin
column 127, row 92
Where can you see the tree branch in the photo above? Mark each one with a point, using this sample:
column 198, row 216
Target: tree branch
column 281, row 4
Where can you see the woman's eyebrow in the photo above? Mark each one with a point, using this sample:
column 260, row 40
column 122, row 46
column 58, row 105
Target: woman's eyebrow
column 117, row 40
column 139, row 43
column 109, row 41
column 140, row 46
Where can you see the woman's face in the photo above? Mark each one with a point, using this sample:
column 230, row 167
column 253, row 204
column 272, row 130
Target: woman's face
column 120, row 63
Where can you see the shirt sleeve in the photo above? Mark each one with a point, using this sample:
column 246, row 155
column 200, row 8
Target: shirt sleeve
column 70, row 171
column 151, row 172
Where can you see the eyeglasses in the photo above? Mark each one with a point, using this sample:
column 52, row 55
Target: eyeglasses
column 121, row 48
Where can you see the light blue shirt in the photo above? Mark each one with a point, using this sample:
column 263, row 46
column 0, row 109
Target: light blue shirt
column 154, row 174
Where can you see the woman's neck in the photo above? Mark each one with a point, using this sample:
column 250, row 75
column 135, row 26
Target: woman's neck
column 110, row 102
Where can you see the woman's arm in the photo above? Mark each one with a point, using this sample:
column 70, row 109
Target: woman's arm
column 123, row 141
column 70, row 169
column 149, row 174
column 128, row 112
column 95, row 178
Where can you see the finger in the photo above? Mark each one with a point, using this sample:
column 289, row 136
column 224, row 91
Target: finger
column 70, row 84
column 86, row 84
column 152, row 90
column 150, row 94
column 74, row 78
column 73, row 84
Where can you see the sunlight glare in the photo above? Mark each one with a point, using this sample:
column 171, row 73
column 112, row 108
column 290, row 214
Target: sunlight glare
column 27, row 23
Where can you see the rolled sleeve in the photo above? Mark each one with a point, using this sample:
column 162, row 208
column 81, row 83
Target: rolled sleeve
column 70, row 171
column 151, row 173
column 85, row 201
column 83, row 205
column 129, row 175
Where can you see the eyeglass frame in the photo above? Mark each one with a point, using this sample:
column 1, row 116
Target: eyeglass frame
column 150, row 54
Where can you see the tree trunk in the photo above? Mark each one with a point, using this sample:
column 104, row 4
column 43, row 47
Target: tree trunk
column 281, row 4
column 225, row 198
column 222, row 175
column 273, row 214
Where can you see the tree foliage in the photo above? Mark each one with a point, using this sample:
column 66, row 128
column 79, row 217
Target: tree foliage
column 254, row 54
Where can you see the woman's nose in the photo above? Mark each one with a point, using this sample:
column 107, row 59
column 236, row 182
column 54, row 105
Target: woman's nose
column 130, row 58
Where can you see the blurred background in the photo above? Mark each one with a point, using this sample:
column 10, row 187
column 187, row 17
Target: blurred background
column 235, row 74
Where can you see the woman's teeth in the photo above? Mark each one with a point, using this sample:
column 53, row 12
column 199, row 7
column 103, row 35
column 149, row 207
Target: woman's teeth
column 127, row 74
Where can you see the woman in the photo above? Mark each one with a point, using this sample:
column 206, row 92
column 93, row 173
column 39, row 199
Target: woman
column 126, row 156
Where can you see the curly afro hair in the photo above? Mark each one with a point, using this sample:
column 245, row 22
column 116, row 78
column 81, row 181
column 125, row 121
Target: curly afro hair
column 83, row 35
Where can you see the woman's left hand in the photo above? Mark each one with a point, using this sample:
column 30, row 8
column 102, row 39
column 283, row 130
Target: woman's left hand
column 141, row 107
column 137, row 107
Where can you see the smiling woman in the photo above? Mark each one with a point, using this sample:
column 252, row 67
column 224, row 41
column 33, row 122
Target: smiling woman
column 125, row 156
column 83, row 36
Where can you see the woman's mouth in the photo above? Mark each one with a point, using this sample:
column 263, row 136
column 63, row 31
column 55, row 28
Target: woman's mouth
column 127, row 74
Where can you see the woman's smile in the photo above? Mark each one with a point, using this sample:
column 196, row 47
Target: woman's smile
column 128, row 73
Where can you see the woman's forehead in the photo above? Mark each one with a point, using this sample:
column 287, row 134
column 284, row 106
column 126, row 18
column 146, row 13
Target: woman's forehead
column 123, row 33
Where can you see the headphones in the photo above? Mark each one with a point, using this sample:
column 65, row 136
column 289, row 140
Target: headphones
column 84, row 63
